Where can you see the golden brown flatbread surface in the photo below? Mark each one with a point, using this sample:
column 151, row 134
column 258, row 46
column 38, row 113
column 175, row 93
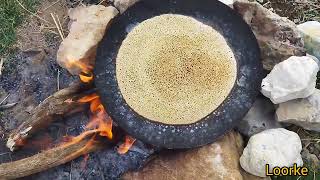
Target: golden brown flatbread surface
column 174, row 69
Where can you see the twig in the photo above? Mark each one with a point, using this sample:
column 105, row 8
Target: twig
column 33, row 14
column 101, row 2
column 57, row 25
column 53, row 27
column 60, row 26
column 1, row 65
column 4, row 99
column 265, row 4
column 58, row 80
column 51, row 5
column 70, row 176
column 53, row 32
column 7, row 106
column 4, row 153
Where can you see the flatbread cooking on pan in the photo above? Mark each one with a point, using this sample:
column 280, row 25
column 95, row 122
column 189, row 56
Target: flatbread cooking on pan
column 174, row 69
column 178, row 74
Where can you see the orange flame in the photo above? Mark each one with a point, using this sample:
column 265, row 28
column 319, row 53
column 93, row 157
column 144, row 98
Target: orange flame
column 88, row 98
column 100, row 123
column 86, row 75
column 128, row 142
column 100, row 120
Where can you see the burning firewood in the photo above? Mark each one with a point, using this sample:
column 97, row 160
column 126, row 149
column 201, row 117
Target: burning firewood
column 58, row 104
column 96, row 131
column 48, row 159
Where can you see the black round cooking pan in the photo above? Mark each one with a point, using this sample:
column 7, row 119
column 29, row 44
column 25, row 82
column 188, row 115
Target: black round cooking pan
column 210, row 12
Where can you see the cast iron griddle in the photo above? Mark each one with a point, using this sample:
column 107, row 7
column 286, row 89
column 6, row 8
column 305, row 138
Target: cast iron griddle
column 249, row 73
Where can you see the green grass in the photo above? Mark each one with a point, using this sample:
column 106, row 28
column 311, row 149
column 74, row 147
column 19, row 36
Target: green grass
column 11, row 16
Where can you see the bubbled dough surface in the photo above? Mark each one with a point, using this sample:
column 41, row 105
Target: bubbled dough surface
column 174, row 69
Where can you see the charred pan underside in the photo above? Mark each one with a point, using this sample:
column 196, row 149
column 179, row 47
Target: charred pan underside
column 249, row 73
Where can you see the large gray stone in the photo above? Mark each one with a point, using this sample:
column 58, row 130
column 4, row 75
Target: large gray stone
column 311, row 36
column 276, row 147
column 301, row 112
column 278, row 37
column 291, row 79
column 260, row 117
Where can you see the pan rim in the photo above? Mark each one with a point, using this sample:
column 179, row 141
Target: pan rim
column 206, row 130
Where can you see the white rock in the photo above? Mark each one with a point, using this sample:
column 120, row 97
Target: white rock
column 314, row 58
column 291, row 79
column 311, row 35
column 276, row 147
column 123, row 5
column 228, row 2
column 302, row 112
column 77, row 51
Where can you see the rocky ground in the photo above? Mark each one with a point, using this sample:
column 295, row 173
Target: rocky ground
column 31, row 74
column 300, row 11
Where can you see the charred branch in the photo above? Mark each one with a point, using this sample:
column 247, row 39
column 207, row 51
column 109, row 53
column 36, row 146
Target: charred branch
column 61, row 103
column 48, row 159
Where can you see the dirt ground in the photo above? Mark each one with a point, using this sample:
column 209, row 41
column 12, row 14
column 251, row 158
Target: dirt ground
column 31, row 74
column 297, row 11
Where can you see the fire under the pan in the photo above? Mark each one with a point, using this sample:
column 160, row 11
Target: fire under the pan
column 174, row 69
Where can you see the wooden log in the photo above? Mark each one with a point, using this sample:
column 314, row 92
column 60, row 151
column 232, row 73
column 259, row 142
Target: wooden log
column 60, row 103
column 48, row 159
